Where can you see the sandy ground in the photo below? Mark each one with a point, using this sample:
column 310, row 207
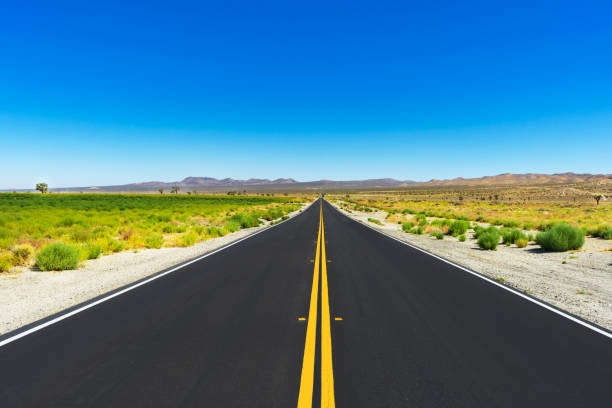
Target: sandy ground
column 28, row 295
column 581, row 286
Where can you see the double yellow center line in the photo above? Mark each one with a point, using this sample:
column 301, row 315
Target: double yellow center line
column 327, row 371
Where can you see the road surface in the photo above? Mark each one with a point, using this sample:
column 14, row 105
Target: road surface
column 311, row 313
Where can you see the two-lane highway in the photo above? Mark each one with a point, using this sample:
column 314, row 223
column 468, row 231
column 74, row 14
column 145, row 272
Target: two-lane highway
column 317, row 311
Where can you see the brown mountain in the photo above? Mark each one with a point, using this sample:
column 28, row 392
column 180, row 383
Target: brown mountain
column 521, row 179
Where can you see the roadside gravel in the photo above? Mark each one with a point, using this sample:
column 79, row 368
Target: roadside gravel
column 581, row 286
column 28, row 295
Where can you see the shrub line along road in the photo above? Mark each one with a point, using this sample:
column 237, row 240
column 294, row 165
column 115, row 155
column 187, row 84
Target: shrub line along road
column 255, row 326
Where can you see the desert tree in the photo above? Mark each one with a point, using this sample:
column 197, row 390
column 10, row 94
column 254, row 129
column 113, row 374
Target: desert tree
column 42, row 187
column 175, row 189
column 598, row 197
column 161, row 191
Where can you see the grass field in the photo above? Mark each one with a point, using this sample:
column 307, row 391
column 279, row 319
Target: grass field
column 106, row 223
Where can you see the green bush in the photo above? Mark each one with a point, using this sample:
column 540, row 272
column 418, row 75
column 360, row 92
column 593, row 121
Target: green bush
column 91, row 251
column 231, row 226
column 188, row 239
column 154, row 241
column 22, row 254
column 5, row 262
column 521, row 242
column 478, row 230
column 58, row 257
column 462, row 238
column 438, row 235
column 375, row 221
column 510, row 236
column 458, row 227
column 421, row 219
column 407, row 226
column 114, row 245
column 82, row 235
column 214, row 232
column 561, row 237
column 488, row 239
column 245, row 220
column 603, row 231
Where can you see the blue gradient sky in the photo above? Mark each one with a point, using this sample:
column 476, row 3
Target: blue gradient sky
column 116, row 93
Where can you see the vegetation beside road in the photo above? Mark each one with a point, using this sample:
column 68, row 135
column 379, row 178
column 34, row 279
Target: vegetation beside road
column 563, row 220
column 88, row 225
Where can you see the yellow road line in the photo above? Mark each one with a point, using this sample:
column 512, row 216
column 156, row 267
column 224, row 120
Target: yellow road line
column 327, row 370
column 307, row 379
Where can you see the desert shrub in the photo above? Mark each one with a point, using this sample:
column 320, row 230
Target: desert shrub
column 99, row 232
column 66, row 222
column 154, row 241
column 58, row 257
column 375, row 221
column 488, row 239
column 22, row 254
column 417, row 231
column 284, row 217
column 214, row 232
column 441, row 223
column 547, row 226
column 528, row 226
column 188, row 239
column 231, row 226
column 114, row 246
column 199, row 230
column 5, row 262
column 421, row 219
column 458, row 227
column 561, row 237
column 603, row 231
column 462, row 237
column 81, row 235
column 510, row 236
column 510, row 224
column 407, row 226
column 438, row 235
column 478, row 230
column 245, row 220
column 91, row 251
column 521, row 242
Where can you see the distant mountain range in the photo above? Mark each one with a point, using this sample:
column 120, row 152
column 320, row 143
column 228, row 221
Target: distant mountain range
column 522, row 179
column 289, row 184
column 213, row 184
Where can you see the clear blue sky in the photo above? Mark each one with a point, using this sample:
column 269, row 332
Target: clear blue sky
column 106, row 93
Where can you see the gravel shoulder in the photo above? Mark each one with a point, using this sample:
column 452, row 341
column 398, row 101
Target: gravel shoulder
column 28, row 295
column 581, row 286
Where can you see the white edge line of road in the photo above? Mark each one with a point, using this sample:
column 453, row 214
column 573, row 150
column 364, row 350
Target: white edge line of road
column 136, row 285
column 486, row 278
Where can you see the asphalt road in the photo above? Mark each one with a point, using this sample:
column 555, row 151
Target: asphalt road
column 236, row 329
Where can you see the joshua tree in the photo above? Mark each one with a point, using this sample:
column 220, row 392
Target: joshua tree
column 175, row 189
column 598, row 197
column 42, row 187
column 161, row 191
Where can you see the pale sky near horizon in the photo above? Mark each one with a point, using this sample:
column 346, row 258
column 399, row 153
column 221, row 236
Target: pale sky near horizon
column 112, row 93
